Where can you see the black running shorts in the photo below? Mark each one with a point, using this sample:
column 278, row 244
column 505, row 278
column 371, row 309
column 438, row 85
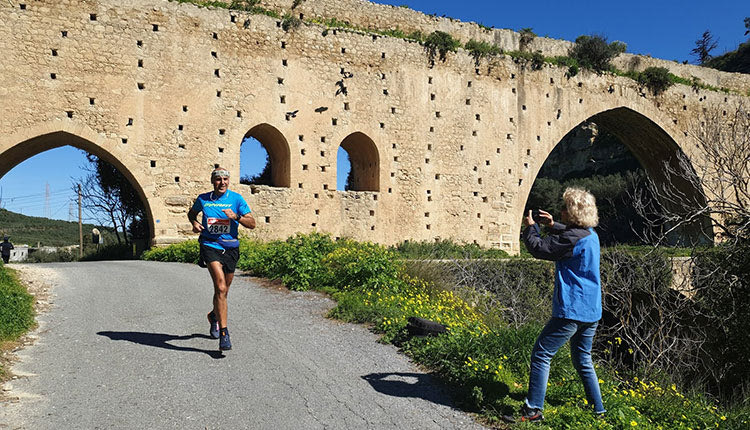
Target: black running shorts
column 228, row 257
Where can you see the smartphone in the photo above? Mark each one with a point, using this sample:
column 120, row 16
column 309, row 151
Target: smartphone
column 536, row 216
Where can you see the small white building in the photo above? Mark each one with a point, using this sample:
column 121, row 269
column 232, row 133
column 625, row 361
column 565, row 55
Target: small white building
column 19, row 253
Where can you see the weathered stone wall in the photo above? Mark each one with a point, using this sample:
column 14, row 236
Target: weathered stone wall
column 365, row 14
column 166, row 91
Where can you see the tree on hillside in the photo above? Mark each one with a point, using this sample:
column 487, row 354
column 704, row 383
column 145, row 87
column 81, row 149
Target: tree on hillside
column 109, row 199
column 747, row 25
column 703, row 47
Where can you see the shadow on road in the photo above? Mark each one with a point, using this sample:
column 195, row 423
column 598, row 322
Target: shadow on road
column 416, row 385
column 160, row 340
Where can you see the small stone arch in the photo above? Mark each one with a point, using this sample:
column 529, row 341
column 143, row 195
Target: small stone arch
column 365, row 162
column 277, row 148
column 18, row 148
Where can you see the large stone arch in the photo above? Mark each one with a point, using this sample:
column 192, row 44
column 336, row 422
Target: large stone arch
column 365, row 162
column 663, row 158
column 21, row 146
column 279, row 155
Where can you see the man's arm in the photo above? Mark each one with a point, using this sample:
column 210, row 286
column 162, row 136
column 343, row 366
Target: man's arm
column 193, row 218
column 247, row 221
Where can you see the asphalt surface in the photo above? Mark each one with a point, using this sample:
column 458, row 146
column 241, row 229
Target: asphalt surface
column 125, row 346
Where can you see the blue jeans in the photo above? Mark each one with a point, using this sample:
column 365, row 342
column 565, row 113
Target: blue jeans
column 553, row 336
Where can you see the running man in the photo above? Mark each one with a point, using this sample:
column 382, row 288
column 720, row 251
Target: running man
column 5, row 249
column 223, row 211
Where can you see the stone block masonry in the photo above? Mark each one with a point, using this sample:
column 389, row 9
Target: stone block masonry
column 166, row 91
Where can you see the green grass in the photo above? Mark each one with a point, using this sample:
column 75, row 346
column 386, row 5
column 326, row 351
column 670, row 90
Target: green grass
column 485, row 360
column 16, row 308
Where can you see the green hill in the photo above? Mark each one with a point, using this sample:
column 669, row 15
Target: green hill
column 31, row 230
column 734, row 61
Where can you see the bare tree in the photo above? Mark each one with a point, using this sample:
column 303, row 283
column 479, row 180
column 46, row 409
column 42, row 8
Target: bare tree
column 704, row 46
column 108, row 199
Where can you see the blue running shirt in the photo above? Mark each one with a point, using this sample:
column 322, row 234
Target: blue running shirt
column 218, row 230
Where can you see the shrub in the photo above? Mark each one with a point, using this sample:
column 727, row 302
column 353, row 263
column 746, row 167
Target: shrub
column 362, row 266
column 646, row 324
column 290, row 22
column 527, row 36
column 16, row 306
column 111, row 252
column 439, row 42
column 655, row 79
column 297, row 261
column 445, row 248
column 185, row 252
column 594, row 53
column 721, row 281
column 479, row 50
column 60, row 255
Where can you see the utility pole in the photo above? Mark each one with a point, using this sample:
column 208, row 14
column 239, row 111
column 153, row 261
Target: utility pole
column 80, row 224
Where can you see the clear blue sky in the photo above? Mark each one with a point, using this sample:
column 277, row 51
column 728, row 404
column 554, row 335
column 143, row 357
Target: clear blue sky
column 662, row 29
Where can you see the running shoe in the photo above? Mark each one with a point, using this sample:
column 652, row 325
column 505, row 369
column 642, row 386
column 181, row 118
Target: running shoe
column 224, row 343
column 214, row 330
column 527, row 414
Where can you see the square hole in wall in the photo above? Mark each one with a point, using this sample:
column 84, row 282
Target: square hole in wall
column 130, row 122
column 303, row 151
column 334, row 121
column 299, row 185
column 155, row 27
column 92, row 101
column 139, row 43
column 54, row 52
column 153, row 163
column 282, row 99
column 53, row 75
column 92, row 17
column 69, row 113
column 140, row 63
column 322, row 153
column 429, row 79
column 239, row 114
column 64, row 33
column 304, row 167
column 267, row 219
column 124, row 140
column 221, row 149
column 141, row 86
column 222, row 132
column 346, row 105
column 393, row 110
column 218, row 93
column 180, row 127
column 322, row 139
column 284, row 63
column 468, row 84
column 280, row 81
column 184, row 108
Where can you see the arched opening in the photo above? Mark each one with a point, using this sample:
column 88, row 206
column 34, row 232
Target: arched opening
column 364, row 163
column 65, row 158
column 615, row 154
column 264, row 157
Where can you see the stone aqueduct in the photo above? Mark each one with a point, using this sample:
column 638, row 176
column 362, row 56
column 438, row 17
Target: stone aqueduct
column 166, row 91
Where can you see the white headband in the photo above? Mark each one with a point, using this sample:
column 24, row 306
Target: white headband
column 219, row 172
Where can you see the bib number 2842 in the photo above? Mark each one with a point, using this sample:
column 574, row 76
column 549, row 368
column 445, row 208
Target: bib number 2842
column 218, row 225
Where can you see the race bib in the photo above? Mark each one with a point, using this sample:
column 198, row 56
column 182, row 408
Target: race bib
column 218, row 225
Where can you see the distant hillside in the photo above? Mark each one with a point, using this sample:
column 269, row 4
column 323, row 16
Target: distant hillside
column 735, row 61
column 32, row 230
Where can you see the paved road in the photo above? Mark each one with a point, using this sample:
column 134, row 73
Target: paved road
column 125, row 345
